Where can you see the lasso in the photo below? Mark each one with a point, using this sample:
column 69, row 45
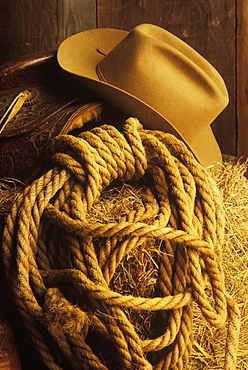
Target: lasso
column 60, row 266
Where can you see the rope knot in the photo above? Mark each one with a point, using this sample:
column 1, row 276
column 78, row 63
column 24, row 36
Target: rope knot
column 134, row 123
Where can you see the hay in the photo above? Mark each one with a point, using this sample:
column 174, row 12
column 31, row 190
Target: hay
column 9, row 190
column 116, row 203
column 137, row 273
column 209, row 344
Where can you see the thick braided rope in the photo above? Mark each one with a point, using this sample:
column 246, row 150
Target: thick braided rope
column 50, row 245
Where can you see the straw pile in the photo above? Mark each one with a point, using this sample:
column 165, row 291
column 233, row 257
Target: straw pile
column 209, row 343
column 9, row 190
column 137, row 273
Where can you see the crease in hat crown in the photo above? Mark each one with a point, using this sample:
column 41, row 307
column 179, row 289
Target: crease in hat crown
column 153, row 75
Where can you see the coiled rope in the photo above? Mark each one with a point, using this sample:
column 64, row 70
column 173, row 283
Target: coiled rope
column 60, row 266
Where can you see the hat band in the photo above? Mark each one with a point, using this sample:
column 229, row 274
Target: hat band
column 100, row 74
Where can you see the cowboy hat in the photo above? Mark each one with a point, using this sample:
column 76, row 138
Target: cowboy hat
column 152, row 75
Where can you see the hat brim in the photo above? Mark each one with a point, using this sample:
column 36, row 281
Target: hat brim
column 79, row 56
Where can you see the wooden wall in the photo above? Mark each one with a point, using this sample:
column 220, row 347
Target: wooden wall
column 210, row 26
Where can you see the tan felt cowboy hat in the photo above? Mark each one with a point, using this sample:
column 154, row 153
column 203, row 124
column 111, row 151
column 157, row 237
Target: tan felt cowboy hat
column 152, row 75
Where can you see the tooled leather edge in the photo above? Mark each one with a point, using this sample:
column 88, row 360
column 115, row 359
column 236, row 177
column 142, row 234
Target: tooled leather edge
column 8, row 133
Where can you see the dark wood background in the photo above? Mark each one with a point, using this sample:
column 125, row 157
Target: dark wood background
column 216, row 29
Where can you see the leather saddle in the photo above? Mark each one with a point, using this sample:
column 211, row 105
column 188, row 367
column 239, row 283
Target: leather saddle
column 54, row 104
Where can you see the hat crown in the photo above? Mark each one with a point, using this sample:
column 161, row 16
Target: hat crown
column 167, row 74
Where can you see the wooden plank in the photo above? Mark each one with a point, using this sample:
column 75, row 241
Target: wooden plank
column 29, row 26
column 206, row 25
column 242, row 78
